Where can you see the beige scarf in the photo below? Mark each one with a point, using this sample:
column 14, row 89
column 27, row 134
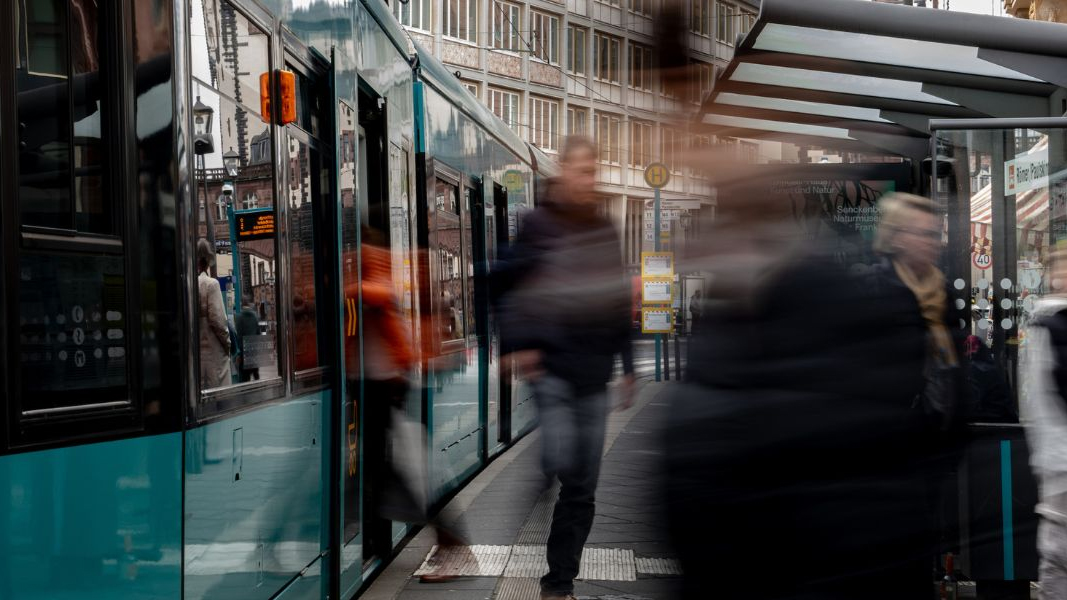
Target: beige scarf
column 929, row 290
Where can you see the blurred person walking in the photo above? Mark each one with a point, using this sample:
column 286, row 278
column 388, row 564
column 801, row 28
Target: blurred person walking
column 1044, row 415
column 794, row 447
column 564, row 305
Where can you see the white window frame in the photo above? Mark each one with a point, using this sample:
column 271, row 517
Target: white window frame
column 505, row 25
column 640, row 62
column 545, row 44
column 701, row 12
column 473, row 87
column 576, row 54
column 408, row 16
column 640, row 143
column 607, row 129
column 544, row 123
column 465, row 29
column 671, row 148
column 611, row 46
column 641, row 7
column 701, row 83
column 506, row 104
column 577, row 113
column 725, row 27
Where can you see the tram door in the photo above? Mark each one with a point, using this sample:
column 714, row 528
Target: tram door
column 1003, row 187
column 491, row 238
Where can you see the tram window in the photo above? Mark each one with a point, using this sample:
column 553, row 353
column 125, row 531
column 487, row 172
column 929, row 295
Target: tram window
column 308, row 185
column 468, row 256
column 449, row 262
column 239, row 166
column 229, row 52
column 72, row 332
column 61, row 80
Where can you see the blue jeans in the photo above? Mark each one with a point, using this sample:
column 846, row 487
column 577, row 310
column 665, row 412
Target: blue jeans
column 572, row 442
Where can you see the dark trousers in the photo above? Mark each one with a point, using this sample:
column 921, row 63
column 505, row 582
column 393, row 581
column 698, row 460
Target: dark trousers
column 572, row 438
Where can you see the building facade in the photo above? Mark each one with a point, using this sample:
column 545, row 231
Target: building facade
column 553, row 68
column 1037, row 10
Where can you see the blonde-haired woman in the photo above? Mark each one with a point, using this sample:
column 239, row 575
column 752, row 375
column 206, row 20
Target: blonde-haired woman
column 909, row 239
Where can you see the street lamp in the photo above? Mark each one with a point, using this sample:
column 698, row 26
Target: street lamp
column 232, row 161
column 202, row 116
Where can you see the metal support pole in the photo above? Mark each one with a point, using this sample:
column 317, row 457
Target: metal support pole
column 677, row 356
column 667, row 358
column 236, row 254
column 657, row 246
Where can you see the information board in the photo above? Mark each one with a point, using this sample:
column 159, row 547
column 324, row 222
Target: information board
column 254, row 224
column 656, row 320
column 656, row 291
column 657, row 264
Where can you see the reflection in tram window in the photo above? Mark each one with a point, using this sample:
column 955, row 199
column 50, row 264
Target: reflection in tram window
column 449, row 262
column 307, row 182
column 60, row 79
column 235, row 179
column 228, row 52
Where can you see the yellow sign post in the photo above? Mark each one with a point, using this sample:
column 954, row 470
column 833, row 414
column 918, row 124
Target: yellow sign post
column 657, row 175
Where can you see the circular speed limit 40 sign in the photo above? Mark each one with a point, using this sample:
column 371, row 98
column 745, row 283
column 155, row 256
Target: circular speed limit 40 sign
column 982, row 261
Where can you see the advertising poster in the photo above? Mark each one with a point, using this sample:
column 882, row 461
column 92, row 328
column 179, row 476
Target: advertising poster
column 837, row 204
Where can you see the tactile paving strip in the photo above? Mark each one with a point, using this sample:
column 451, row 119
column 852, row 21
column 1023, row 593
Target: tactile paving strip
column 526, row 561
column 608, row 564
column 657, row 566
column 466, row 561
column 518, row 588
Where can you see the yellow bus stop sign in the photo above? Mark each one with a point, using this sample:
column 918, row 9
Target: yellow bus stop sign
column 657, row 175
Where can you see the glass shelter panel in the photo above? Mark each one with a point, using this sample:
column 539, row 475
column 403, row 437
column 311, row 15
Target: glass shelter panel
column 1004, row 193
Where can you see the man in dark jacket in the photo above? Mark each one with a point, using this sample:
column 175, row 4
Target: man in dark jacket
column 564, row 307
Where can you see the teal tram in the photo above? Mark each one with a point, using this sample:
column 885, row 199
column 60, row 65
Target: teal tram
column 137, row 462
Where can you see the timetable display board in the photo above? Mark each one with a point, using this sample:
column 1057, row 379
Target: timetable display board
column 657, row 264
column 657, row 320
column 254, row 224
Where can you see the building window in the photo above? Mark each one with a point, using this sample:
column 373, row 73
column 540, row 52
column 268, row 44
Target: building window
column 414, row 14
column 641, row 7
column 702, row 78
column 700, row 17
column 250, row 201
column 725, row 26
column 506, row 106
column 640, row 144
column 545, row 37
column 747, row 20
column 606, row 57
column 507, row 22
column 544, row 123
column 672, row 149
column 472, row 87
column 577, row 121
column 576, row 40
column 461, row 20
column 640, row 67
column 607, row 136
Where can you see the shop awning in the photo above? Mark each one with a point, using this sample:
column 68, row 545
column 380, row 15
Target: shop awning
column 868, row 76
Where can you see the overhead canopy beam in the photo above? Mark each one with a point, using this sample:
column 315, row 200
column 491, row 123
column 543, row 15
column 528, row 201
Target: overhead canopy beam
column 847, row 74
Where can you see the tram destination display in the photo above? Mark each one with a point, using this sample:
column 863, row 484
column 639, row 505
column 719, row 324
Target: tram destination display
column 254, row 224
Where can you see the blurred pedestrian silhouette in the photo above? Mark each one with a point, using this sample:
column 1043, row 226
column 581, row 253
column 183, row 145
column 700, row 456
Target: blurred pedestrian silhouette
column 1044, row 414
column 247, row 326
column 794, row 452
column 564, row 305
column 991, row 398
column 394, row 447
column 214, row 328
